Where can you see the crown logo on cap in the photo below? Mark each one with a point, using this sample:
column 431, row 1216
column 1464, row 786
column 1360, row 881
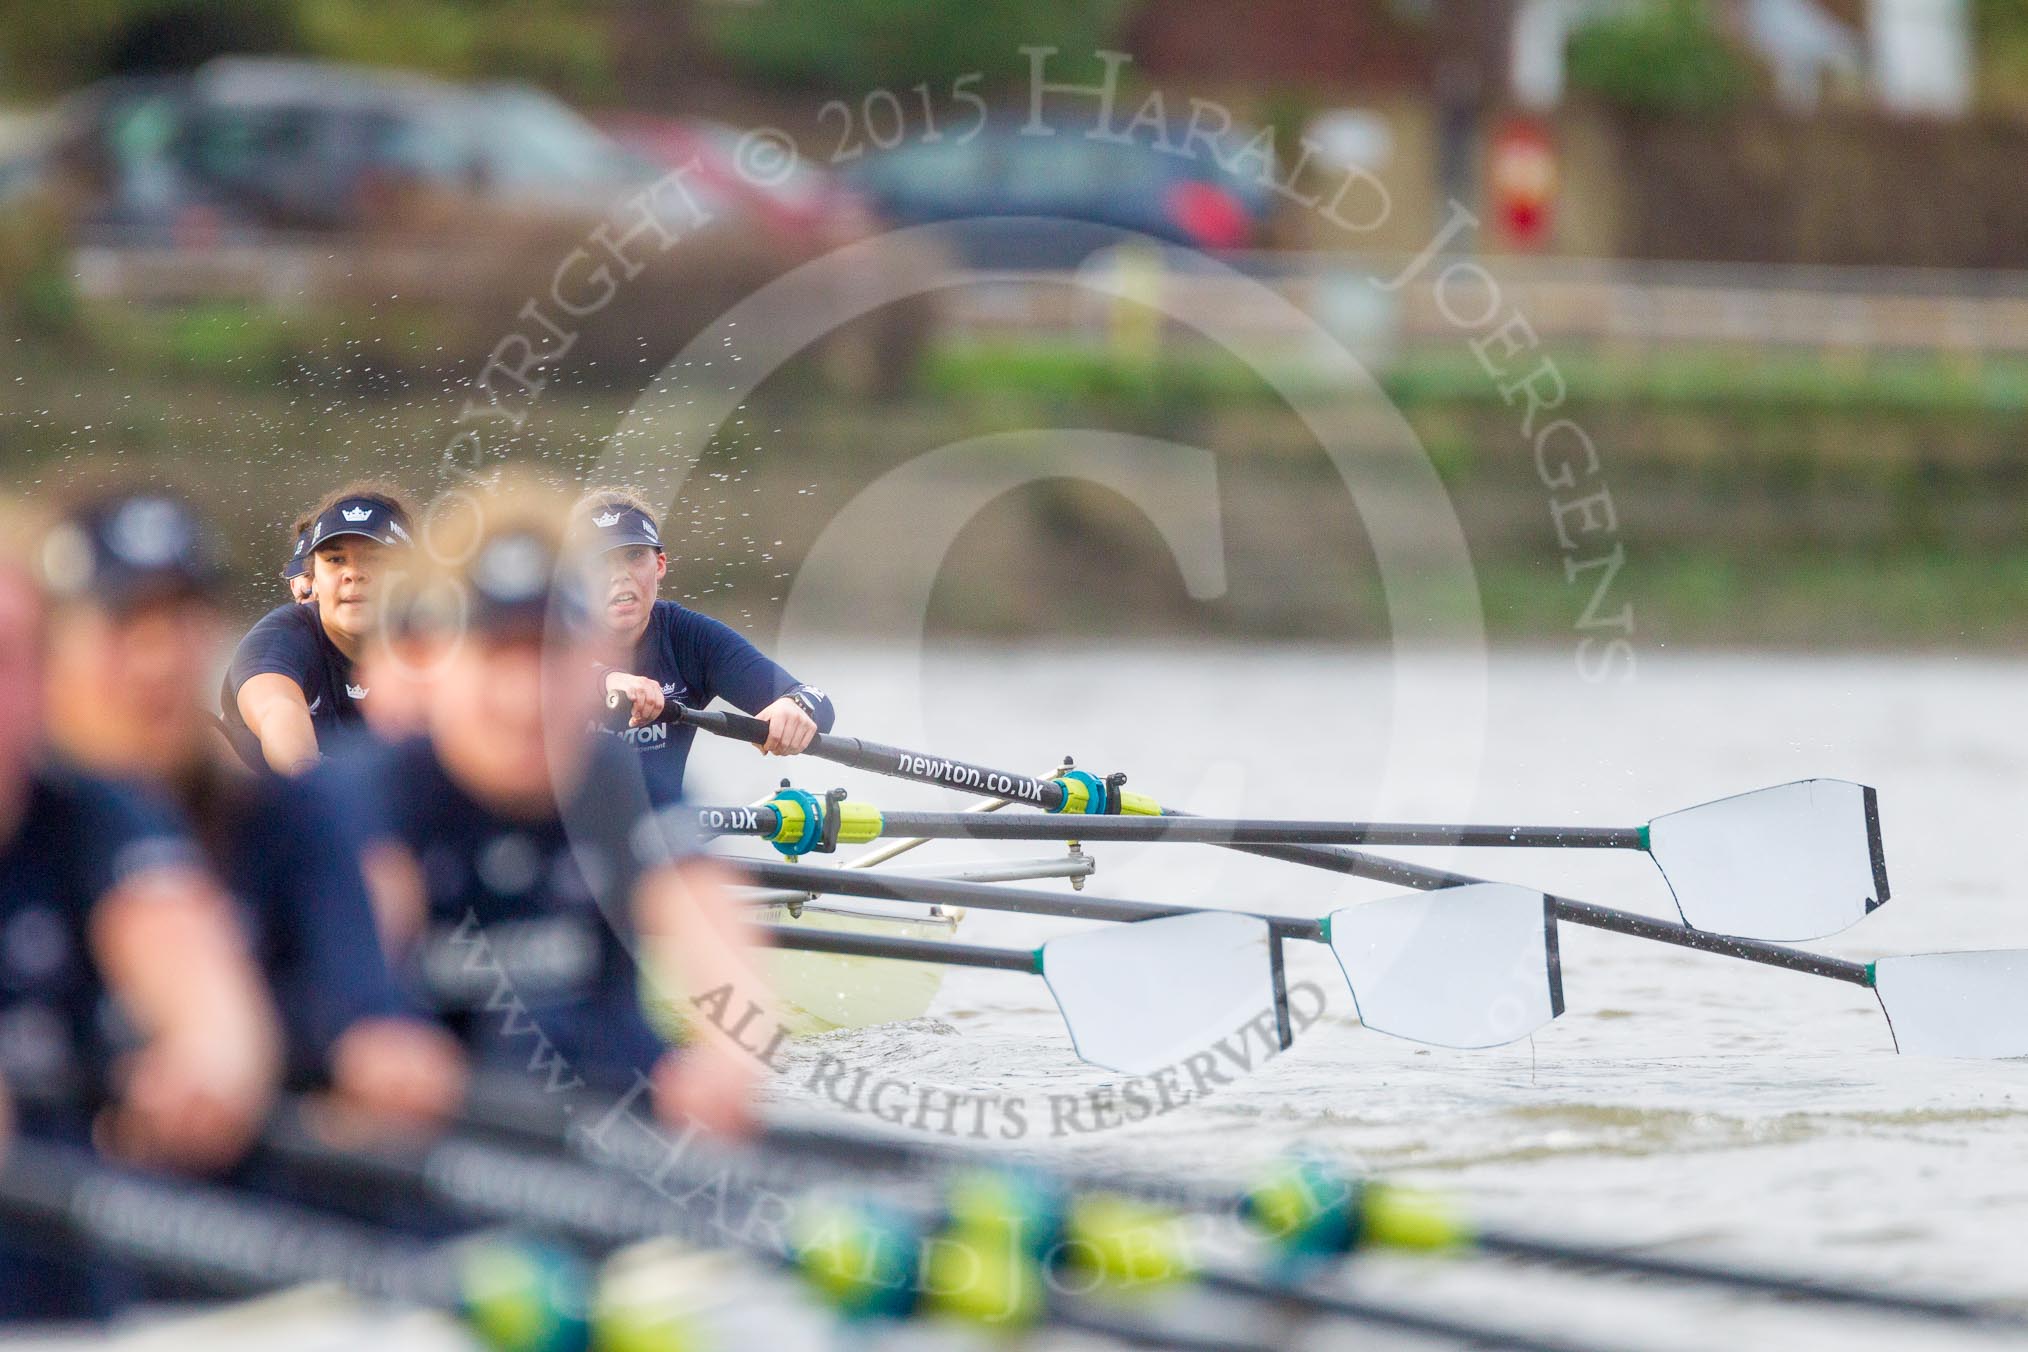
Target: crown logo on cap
column 357, row 513
column 606, row 522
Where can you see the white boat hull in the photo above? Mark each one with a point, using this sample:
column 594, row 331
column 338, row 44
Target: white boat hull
column 823, row 992
column 820, row 992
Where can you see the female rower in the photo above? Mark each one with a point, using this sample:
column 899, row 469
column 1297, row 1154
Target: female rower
column 296, row 572
column 129, row 1013
column 133, row 638
column 651, row 651
column 291, row 687
column 535, row 866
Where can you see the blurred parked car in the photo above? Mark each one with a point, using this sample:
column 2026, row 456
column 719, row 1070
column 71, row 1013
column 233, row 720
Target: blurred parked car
column 290, row 144
column 991, row 190
column 461, row 200
column 802, row 205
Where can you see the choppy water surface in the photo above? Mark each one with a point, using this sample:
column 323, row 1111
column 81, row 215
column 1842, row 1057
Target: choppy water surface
column 1704, row 1104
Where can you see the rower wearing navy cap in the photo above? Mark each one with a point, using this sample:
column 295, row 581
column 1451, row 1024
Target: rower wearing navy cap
column 296, row 572
column 129, row 1014
column 291, row 687
column 538, row 876
column 134, row 637
column 653, row 651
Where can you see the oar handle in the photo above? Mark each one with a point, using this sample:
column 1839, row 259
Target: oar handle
column 722, row 722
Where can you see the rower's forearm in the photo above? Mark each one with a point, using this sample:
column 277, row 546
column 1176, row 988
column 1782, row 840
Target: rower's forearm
column 287, row 736
column 175, row 956
column 700, row 936
column 287, row 748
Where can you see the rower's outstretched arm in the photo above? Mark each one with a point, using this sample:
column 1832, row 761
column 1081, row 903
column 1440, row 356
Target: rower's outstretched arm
column 753, row 682
column 277, row 714
column 170, row 949
column 694, row 930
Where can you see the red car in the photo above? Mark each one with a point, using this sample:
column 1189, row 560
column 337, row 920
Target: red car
column 802, row 207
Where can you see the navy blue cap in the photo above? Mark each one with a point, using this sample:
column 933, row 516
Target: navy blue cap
column 128, row 549
column 615, row 527
column 360, row 516
column 299, row 562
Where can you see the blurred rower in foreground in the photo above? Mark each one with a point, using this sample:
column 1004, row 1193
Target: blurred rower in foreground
column 650, row 651
column 537, row 880
column 291, row 688
column 129, row 1012
column 134, row 635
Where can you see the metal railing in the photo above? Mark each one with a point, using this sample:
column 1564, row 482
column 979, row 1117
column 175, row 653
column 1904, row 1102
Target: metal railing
column 1622, row 304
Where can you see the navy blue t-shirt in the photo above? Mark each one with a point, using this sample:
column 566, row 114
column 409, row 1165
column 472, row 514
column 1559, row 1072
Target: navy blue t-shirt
column 304, row 905
column 698, row 659
column 79, row 839
column 526, row 954
column 290, row 641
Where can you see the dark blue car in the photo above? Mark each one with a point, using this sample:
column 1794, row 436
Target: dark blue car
column 1027, row 201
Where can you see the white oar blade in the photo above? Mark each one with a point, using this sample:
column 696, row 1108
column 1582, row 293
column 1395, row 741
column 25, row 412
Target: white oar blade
column 1462, row 967
column 1797, row 861
column 1972, row 1005
column 1143, row 997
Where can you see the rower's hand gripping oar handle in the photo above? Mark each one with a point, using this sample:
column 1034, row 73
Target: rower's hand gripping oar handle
column 724, row 722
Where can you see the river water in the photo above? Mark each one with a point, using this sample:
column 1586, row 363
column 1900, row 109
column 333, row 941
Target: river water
column 1702, row 1105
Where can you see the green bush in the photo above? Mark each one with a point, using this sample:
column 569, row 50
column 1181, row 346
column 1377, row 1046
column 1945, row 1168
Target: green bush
column 564, row 44
column 37, row 296
column 1665, row 56
column 860, row 45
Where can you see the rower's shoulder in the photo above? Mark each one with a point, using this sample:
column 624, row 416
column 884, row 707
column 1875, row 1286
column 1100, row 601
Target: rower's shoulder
column 696, row 627
column 119, row 824
column 288, row 617
column 671, row 615
column 284, row 623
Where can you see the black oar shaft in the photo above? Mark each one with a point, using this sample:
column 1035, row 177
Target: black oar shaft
column 984, row 896
column 1725, row 945
column 1423, row 1323
column 1584, row 913
column 808, row 939
column 901, row 764
column 766, row 822
column 492, row 1183
column 1105, row 1322
column 224, row 1242
column 892, row 761
column 1758, row 1280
